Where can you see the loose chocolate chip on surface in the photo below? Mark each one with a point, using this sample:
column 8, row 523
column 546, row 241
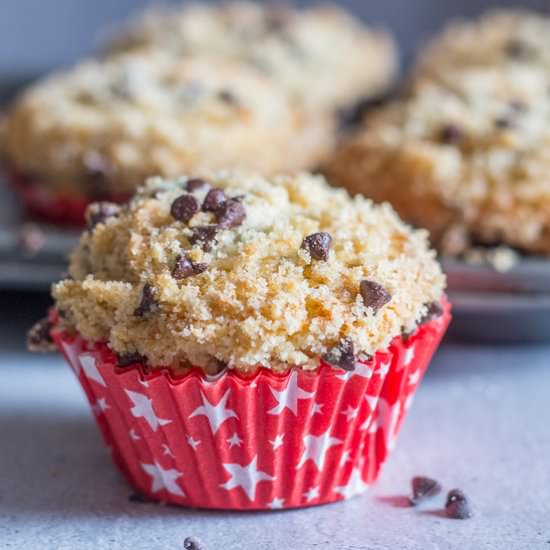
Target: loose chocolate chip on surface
column 197, row 184
column 192, row 543
column 184, row 267
column 184, row 208
column 100, row 212
column 214, row 198
column 435, row 310
column 423, row 488
column 204, row 235
column 39, row 337
column 342, row 356
column 148, row 302
column 374, row 295
column 457, row 505
column 128, row 359
column 231, row 213
column 318, row 245
column 451, row 134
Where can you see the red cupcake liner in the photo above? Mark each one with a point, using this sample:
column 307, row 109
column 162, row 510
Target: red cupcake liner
column 264, row 442
column 43, row 204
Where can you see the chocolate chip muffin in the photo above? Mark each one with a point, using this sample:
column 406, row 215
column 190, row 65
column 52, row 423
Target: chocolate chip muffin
column 247, row 272
column 98, row 130
column 321, row 55
column 464, row 155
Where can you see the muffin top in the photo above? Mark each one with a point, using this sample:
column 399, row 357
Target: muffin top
column 107, row 125
column 498, row 38
column 474, row 169
column 321, row 55
column 245, row 272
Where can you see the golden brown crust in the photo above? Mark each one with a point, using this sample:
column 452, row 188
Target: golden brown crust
column 260, row 292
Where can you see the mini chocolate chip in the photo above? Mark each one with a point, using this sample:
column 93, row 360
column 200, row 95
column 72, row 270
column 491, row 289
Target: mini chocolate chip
column 192, row 543
column 39, row 338
column 100, row 212
column 231, row 213
column 214, row 198
column 184, row 208
column 503, row 122
column 318, row 245
column 228, row 97
column 451, row 134
column 457, row 505
column 148, row 303
column 435, row 310
column 374, row 295
column 197, row 184
column 138, row 497
column 517, row 49
column 238, row 198
column 423, row 488
column 342, row 356
column 204, row 236
column 127, row 359
column 184, row 267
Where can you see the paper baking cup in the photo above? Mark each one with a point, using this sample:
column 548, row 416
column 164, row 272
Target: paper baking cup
column 264, row 442
column 46, row 205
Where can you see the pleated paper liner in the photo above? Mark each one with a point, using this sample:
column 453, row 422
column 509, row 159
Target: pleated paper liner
column 265, row 442
column 46, row 205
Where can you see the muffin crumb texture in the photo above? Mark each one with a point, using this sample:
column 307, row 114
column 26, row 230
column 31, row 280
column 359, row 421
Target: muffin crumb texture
column 247, row 273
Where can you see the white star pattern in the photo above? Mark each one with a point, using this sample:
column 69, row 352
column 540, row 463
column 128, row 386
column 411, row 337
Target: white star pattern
column 387, row 417
column 276, row 503
column 383, row 369
column 316, row 448
column 409, row 356
column 312, row 494
column 360, row 370
column 133, row 435
column 354, row 486
column 234, row 440
column 350, row 413
column 100, row 406
column 371, row 400
column 277, row 442
column 247, row 477
column 317, row 408
column 215, row 414
column 167, row 451
column 72, row 356
column 143, row 408
column 345, row 458
column 89, row 367
column 163, row 479
column 288, row 398
column 193, row 442
column 144, row 383
column 414, row 377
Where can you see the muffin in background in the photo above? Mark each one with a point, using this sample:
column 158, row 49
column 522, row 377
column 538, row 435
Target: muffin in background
column 322, row 56
column 249, row 343
column 96, row 131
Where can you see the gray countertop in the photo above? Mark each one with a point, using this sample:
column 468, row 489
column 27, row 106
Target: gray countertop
column 480, row 422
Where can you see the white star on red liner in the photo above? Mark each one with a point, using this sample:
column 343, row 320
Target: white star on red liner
column 144, row 383
column 276, row 503
column 312, row 493
column 409, row 356
column 350, row 412
column 372, row 400
column 354, row 486
column 317, row 408
column 345, row 458
column 288, row 398
column 234, row 440
column 360, row 370
column 143, row 408
column 133, row 435
column 100, row 406
column 316, row 448
column 89, row 367
column 277, row 442
column 167, row 451
column 414, row 377
column 72, row 356
column 247, row 477
column 193, row 442
column 386, row 419
column 383, row 369
column 163, row 479
column 215, row 414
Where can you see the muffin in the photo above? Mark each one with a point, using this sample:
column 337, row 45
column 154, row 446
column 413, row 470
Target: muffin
column 322, row 56
column 248, row 343
column 465, row 155
column 96, row 131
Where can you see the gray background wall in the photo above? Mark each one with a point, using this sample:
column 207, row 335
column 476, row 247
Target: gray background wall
column 37, row 35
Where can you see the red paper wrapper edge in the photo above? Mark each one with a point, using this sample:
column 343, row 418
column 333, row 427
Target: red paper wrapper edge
column 264, row 442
